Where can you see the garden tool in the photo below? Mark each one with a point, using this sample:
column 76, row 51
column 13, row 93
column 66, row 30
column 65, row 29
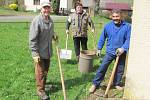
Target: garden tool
column 61, row 74
column 111, row 77
column 94, row 39
column 64, row 53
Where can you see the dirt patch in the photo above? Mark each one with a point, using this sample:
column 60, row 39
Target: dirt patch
column 113, row 94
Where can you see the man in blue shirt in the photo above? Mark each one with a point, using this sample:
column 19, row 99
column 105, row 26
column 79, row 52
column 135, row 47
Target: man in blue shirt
column 117, row 36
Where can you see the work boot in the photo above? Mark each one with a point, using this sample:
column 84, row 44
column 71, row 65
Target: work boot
column 92, row 89
column 119, row 87
column 43, row 96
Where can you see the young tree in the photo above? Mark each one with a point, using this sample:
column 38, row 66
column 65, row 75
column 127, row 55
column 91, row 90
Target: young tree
column 97, row 7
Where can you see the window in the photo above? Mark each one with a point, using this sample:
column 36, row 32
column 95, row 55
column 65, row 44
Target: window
column 36, row 2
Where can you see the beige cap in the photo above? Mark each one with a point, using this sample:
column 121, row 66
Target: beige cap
column 43, row 4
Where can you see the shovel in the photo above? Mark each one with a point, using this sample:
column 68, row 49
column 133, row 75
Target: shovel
column 111, row 77
column 64, row 53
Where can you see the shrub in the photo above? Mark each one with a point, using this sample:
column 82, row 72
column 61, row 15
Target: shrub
column 55, row 4
column 14, row 7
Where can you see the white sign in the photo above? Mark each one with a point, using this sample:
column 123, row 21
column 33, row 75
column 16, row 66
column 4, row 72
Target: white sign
column 65, row 54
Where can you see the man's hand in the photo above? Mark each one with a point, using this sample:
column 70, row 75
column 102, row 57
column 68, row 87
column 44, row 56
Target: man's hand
column 119, row 51
column 98, row 53
column 67, row 31
column 93, row 30
column 36, row 59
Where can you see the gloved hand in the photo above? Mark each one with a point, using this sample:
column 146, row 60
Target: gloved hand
column 119, row 51
column 36, row 59
column 98, row 53
column 67, row 31
column 93, row 30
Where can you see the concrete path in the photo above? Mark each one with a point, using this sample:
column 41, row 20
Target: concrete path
column 9, row 18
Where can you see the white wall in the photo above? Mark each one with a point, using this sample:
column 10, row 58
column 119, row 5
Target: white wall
column 28, row 2
column 88, row 3
column 138, row 69
column 30, row 6
column 70, row 6
column 63, row 4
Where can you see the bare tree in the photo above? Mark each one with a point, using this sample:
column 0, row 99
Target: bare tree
column 97, row 6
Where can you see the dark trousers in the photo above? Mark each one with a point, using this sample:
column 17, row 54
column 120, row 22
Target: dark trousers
column 41, row 71
column 77, row 42
column 100, row 74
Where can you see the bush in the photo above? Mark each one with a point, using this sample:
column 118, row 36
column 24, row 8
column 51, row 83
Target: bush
column 14, row 7
column 55, row 4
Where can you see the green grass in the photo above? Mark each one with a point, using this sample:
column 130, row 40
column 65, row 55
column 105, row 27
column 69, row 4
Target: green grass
column 17, row 80
column 7, row 11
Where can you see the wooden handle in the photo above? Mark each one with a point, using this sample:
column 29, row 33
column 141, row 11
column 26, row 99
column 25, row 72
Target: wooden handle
column 94, row 39
column 61, row 74
column 66, row 41
column 111, row 77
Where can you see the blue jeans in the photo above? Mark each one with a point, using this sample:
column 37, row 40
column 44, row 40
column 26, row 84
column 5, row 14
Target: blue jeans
column 100, row 74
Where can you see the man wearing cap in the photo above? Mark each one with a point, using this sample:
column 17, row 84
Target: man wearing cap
column 79, row 21
column 40, row 42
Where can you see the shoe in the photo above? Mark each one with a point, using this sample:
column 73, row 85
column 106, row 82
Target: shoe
column 43, row 96
column 92, row 89
column 119, row 87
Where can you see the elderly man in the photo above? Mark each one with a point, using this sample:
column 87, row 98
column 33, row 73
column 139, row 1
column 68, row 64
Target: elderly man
column 40, row 42
column 79, row 21
column 117, row 35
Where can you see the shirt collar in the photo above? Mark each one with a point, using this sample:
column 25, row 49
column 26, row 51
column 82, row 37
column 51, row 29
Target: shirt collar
column 83, row 12
column 46, row 21
column 122, row 22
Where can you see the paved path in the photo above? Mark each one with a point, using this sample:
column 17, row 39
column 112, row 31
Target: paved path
column 21, row 18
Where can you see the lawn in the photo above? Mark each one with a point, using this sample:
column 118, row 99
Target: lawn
column 7, row 11
column 17, row 80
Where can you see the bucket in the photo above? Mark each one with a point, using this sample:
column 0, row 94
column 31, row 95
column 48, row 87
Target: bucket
column 86, row 60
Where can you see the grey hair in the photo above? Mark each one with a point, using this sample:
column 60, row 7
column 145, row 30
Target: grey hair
column 118, row 11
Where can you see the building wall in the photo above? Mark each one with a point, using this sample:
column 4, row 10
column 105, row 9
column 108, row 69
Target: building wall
column 28, row 2
column 63, row 4
column 116, row 4
column 30, row 5
column 88, row 3
column 70, row 5
column 138, row 70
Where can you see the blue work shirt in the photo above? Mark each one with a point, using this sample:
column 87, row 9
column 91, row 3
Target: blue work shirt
column 116, row 37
